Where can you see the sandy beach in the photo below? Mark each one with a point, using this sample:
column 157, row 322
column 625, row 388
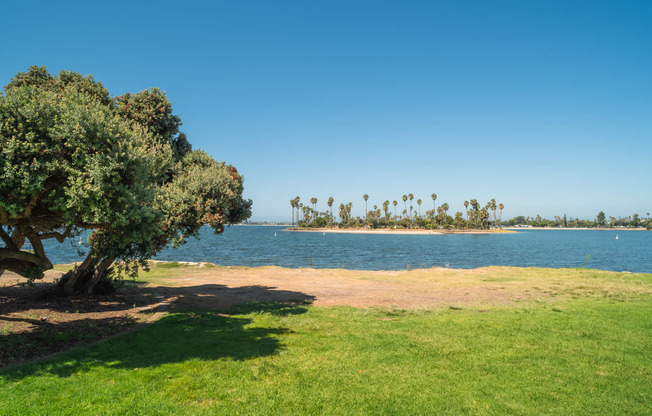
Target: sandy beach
column 574, row 228
column 394, row 231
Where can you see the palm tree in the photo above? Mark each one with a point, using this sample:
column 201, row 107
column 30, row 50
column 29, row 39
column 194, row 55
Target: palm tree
column 484, row 215
column 330, row 205
column 404, row 198
column 410, row 197
column 466, row 207
column 348, row 208
column 296, row 205
column 386, row 209
column 292, row 205
column 476, row 208
column 419, row 204
column 394, row 202
column 500, row 215
column 313, row 201
column 493, row 208
column 366, row 198
column 434, row 197
column 445, row 208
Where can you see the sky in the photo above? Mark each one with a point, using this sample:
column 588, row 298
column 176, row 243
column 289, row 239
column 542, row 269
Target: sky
column 544, row 106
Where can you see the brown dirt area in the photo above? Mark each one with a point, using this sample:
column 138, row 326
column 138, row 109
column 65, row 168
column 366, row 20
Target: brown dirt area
column 221, row 288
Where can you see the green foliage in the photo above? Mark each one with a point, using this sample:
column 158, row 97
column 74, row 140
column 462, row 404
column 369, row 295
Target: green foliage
column 151, row 109
column 73, row 158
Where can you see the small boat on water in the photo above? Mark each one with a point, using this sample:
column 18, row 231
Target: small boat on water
column 616, row 236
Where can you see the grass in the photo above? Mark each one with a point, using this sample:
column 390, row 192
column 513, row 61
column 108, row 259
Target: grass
column 584, row 350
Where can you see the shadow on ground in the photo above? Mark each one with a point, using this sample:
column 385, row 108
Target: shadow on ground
column 74, row 321
column 221, row 297
column 175, row 338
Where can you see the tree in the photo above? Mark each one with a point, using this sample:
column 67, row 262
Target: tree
column 395, row 202
column 74, row 158
column 419, row 201
column 296, row 205
column 466, row 208
column 500, row 216
column 313, row 201
column 330, row 206
column 476, row 210
column 404, row 198
column 292, row 205
column 365, row 197
column 601, row 219
column 434, row 197
column 445, row 208
column 410, row 197
column 386, row 209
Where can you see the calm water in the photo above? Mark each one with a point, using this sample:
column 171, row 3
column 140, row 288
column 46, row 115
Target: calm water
column 258, row 246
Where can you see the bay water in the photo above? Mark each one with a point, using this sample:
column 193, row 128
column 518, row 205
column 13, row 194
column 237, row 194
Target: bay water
column 272, row 245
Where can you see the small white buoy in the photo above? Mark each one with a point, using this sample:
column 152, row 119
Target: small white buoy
column 616, row 236
column 80, row 240
column 274, row 234
column 324, row 233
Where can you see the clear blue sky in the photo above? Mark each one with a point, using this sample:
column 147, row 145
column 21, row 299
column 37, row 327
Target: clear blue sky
column 544, row 105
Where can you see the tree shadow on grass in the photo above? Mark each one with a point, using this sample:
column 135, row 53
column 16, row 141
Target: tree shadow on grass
column 74, row 321
column 175, row 338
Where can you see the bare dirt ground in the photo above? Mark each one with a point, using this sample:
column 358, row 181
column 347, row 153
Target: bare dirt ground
column 34, row 324
column 420, row 289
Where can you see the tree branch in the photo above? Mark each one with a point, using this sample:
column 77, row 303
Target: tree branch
column 23, row 256
column 7, row 239
column 33, row 238
column 30, row 206
column 60, row 237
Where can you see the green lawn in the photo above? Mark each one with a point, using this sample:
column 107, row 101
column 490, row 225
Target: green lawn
column 575, row 354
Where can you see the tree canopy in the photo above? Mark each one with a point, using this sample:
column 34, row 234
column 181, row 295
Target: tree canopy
column 74, row 158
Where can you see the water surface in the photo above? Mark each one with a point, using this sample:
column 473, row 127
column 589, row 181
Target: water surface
column 260, row 245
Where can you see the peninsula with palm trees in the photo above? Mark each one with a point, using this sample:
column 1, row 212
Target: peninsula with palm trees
column 390, row 218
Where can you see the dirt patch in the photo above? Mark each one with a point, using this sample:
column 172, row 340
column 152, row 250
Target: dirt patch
column 221, row 288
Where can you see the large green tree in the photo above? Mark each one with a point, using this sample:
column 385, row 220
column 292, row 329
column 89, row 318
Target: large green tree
column 73, row 158
column 600, row 219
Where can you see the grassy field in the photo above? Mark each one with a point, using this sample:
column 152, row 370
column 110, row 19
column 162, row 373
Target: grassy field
column 584, row 349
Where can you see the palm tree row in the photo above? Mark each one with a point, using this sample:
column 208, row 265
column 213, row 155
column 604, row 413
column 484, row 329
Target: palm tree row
column 478, row 217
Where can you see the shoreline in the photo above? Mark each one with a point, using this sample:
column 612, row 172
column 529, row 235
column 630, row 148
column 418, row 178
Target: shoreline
column 574, row 229
column 395, row 231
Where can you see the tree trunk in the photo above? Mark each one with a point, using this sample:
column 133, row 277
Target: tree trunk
column 19, row 240
column 85, row 278
column 75, row 281
column 99, row 272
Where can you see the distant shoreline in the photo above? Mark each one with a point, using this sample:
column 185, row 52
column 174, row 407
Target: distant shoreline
column 394, row 231
column 574, row 228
